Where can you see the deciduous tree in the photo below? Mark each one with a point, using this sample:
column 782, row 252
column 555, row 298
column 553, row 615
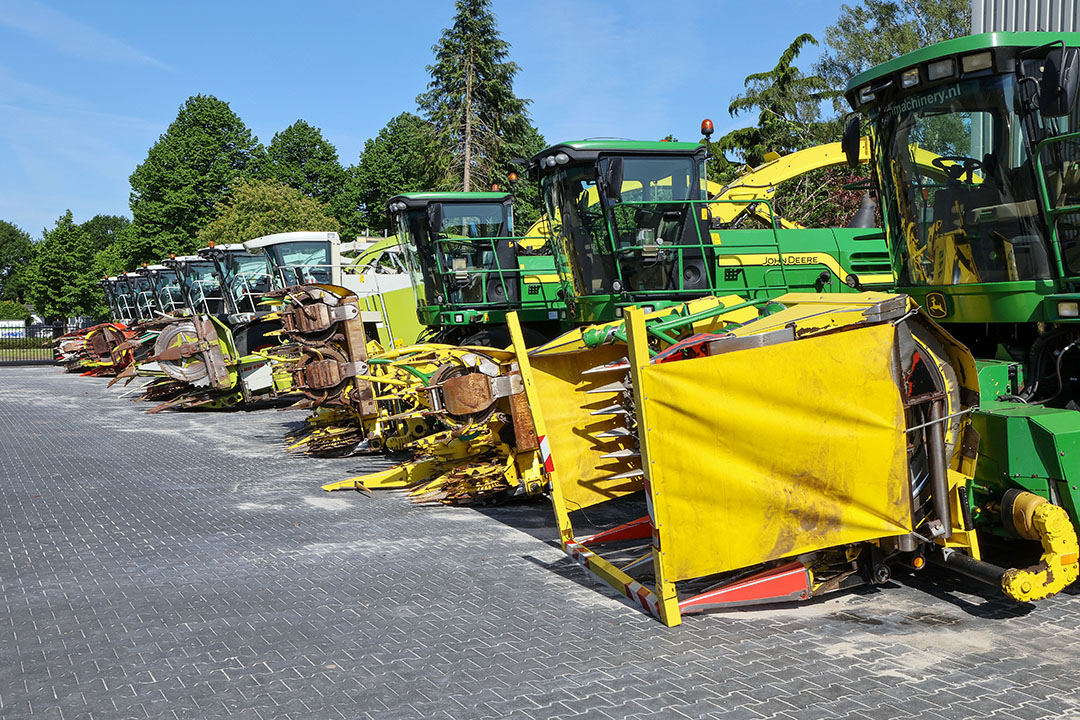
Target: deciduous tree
column 16, row 251
column 300, row 157
column 871, row 32
column 187, row 172
column 105, row 230
column 62, row 281
column 11, row 310
column 264, row 207
column 404, row 157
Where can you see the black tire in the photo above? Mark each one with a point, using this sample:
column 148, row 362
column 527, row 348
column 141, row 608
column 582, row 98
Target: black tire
column 499, row 337
column 493, row 337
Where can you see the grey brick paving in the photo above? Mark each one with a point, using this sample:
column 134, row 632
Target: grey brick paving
column 183, row 566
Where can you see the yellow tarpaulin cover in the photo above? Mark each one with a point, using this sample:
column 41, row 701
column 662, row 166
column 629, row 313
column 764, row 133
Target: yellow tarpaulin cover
column 572, row 428
column 768, row 453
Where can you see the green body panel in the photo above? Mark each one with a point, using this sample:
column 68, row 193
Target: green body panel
column 1030, row 447
column 758, row 264
column 398, row 308
column 961, row 45
column 999, row 377
column 1012, row 302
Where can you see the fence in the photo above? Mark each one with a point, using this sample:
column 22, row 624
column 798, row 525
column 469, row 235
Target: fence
column 28, row 344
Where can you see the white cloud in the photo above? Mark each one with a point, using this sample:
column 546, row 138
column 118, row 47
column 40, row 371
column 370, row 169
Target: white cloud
column 69, row 35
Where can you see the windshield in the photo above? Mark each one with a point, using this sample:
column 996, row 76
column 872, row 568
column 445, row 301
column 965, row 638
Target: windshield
column 144, row 297
column 628, row 224
column 247, row 279
column 962, row 185
column 472, row 220
column 470, row 260
column 300, row 263
column 167, row 291
column 200, row 284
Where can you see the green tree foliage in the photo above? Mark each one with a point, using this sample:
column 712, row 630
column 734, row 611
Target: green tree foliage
column 188, row 171
column 788, row 103
column 300, row 157
column 528, row 206
column 404, row 157
column 348, row 207
column 788, row 106
column 113, row 259
column 471, row 102
column 105, row 230
column 264, row 207
column 874, row 31
column 62, row 278
column 11, row 310
column 16, row 251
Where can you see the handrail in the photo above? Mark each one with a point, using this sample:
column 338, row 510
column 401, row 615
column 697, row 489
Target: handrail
column 691, row 215
column 1044, row 195
column 483, row 244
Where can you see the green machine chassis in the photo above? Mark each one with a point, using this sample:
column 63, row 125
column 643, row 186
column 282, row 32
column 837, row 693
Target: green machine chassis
column 632, row 226
column 990, row 244
column 469, row 269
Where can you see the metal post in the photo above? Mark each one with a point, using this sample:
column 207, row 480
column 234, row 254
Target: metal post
column 939, row 473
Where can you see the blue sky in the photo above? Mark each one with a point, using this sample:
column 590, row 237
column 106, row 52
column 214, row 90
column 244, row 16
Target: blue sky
column 87, row 87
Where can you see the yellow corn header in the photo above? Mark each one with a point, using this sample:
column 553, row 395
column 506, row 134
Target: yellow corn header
column 811, row 449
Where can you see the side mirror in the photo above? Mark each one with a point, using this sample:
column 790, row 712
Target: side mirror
column 434, row 219
column 613, row 178
column 1058, row 86
column 851, row 140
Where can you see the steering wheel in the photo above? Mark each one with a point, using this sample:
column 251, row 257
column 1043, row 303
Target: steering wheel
column 963, row 165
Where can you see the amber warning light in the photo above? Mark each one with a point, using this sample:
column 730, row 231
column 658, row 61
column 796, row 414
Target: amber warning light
column 706, row 127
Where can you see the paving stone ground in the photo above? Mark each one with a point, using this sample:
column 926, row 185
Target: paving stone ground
column 184, row 566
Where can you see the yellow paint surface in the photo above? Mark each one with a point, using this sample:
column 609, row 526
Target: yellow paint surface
column 767, row 453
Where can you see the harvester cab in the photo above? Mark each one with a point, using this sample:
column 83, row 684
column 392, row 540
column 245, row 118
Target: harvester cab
column 981, row 235
column 118, row 296
column 200, row 289
column 243, row 279
column 469, row 269
column 300, row 258
column 165, row 290
column 633, row 225
column 985, row 238
column 630, row 223
column 142, row 295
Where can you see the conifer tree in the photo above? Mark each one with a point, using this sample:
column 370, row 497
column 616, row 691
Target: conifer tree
column 470, row 100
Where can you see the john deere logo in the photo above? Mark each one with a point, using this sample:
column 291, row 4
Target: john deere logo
column 936, row 305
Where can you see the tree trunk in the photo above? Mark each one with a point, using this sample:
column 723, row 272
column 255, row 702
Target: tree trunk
column 468, row 124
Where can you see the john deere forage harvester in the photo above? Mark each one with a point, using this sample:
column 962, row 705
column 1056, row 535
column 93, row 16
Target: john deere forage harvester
column 469, row 269
column 632, row 226
column 986, row 239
